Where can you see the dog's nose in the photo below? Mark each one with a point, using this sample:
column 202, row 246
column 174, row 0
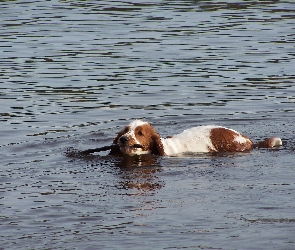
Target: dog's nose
column 123, row 139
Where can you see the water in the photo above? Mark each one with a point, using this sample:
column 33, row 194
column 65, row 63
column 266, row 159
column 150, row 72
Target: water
column 74, row 72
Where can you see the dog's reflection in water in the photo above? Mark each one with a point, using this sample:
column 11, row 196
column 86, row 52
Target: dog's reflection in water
column 140, row 173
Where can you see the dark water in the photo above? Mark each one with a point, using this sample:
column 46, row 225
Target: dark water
column 74, row 72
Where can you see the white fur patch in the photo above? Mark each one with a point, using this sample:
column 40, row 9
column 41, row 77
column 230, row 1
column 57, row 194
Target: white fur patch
column 196, row 140
column 276, row 141
column 136, row 123
column 240, row 139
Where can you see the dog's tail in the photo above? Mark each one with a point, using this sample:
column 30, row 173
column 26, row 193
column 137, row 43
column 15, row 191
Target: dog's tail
column 269, row 143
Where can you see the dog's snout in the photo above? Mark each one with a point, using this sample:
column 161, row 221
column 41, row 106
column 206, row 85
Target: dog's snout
column 123, row 139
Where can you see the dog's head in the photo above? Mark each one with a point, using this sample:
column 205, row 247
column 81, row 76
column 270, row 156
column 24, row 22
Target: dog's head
column 139, row 137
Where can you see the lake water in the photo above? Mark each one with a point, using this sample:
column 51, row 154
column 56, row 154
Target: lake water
column 73, row 73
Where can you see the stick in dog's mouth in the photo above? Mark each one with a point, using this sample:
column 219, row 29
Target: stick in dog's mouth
column 105, row 148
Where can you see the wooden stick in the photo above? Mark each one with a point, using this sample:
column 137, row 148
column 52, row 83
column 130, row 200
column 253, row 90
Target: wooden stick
column 93, row 150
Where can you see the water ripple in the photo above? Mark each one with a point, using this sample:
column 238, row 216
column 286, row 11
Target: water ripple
column 74, row 72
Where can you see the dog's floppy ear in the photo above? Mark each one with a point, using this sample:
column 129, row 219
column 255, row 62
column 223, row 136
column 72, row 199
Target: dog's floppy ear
column 158, row 148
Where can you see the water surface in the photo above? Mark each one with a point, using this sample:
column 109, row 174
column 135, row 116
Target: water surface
column 74, row 72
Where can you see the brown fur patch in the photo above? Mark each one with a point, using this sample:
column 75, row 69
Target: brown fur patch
column 149, row 139
column 225, row 140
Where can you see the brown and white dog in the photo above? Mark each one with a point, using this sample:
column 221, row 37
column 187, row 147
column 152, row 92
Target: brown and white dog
column 140, row 137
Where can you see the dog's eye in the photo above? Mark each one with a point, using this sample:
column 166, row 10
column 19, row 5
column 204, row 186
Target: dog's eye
column 126, row 130
column 140, row 133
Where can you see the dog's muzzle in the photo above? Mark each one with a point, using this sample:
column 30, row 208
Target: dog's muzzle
column 124, row 140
